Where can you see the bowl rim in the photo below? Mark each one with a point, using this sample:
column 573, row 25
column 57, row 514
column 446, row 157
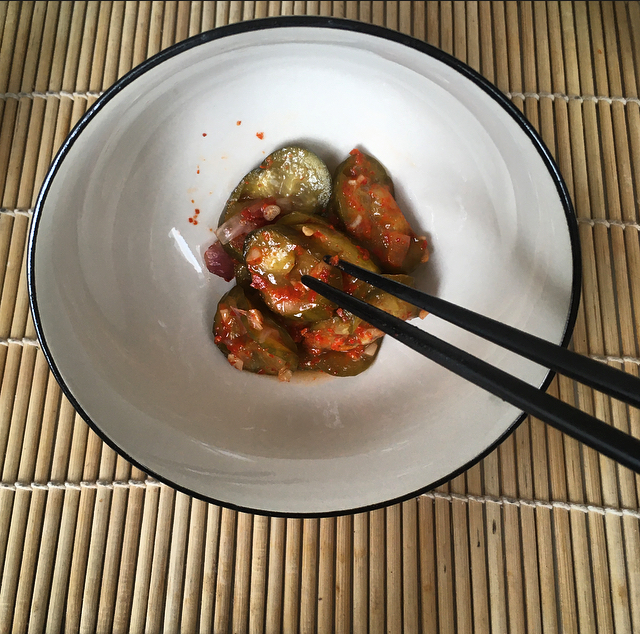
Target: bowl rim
column 280, row 22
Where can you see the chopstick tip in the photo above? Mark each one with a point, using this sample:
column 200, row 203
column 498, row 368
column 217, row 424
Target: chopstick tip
column 334, row 260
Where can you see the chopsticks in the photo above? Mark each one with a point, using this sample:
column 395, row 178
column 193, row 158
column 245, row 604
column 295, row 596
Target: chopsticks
column 606, row 439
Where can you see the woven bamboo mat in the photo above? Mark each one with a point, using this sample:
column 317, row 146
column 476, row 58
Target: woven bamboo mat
column 542, row 536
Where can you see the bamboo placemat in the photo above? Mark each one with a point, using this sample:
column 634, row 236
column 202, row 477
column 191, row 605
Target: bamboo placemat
column 542, row 536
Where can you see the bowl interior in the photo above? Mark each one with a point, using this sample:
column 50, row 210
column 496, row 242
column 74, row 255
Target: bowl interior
column 125, row 306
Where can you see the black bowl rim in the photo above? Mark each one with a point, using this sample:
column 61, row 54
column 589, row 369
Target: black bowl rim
column 316, row 22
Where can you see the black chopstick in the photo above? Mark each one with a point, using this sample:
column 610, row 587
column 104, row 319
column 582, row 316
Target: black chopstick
column 604, row 438
column 600, row 376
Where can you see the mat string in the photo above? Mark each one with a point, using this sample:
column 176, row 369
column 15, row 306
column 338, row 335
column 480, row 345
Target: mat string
column 551, row 504
column 78, row 486
column 564, row 97
column 434, row 495
column 592, row 222
column 16, row 212
column 24, row 341
column 90, row 94
column 57, row 94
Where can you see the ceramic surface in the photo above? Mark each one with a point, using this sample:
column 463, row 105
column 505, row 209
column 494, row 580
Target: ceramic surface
column 124, row 306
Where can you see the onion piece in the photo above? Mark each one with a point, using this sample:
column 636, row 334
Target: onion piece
column 356, row 222
column 370, row 350
column 252, row 216
column 266, row 332
column 219, row 262
column 234, row 227
column 255, row 319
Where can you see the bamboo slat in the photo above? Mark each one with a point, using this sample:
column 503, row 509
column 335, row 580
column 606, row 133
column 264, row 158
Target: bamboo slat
column 291, row 598
column 530, row 570
column 444, row 567
column 21, row 366
column 110, row 570
column 617, row 574
column 12, row 562
column 377, row 552
column 361, row 573
column 126, row 575
column 542, row 536
column 39, row 430
column 259, row 574
column 273, row 619
column 193, row 567
column 548, row 586
column 394, row 569
column 160, row 561
column 343, row 584
column 57, row 530
column 410, row 579
column 326, row 575
column 142, row 582
column 584, row 582
column 461, row 566
column 8, row 48
column 427, row 565
column 309, row 574
column 513, row 568
column 175, row 568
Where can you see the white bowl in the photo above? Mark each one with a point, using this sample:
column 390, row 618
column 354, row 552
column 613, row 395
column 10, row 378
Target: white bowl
column 124, row 307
